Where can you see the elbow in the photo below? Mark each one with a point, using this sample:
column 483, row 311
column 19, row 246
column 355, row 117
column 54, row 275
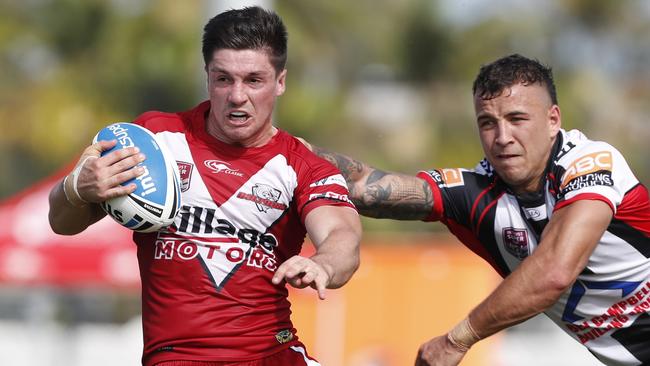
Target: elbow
column 57, row 227
column 62, row 227
column 556, row 282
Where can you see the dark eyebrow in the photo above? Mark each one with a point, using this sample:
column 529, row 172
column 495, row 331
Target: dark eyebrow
column 215, row 69
column 484, row 116
column 516, row 113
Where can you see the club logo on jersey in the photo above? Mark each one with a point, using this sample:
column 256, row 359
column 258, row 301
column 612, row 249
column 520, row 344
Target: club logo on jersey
column 594, row 169
column 218, row 166
column 185, row 170
column 264, row 196
column 516, row 242
column 332, row 179
column 284, row 336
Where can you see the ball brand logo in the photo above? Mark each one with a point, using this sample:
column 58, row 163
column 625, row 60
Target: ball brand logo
column 147, row 183
column 218, row 166
column 122, row 135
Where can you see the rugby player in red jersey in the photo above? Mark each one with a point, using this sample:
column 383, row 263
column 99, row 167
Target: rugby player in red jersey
column 213, row 284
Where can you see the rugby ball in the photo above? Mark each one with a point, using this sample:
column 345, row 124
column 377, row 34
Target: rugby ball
column 157, row 198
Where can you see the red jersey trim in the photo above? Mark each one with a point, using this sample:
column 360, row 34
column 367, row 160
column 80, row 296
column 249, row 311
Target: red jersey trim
column 318, row 202
column 438, row 208
column 585, row 196
column 468, row 239
column 634, row 210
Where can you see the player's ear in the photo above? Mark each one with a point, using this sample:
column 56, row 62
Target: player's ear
column 554, row 119
column 280, row 83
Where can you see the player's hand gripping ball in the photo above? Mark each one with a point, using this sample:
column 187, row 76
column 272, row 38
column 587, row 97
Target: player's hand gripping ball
column 157, row 198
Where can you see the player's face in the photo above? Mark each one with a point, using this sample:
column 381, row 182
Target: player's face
column 243, row 86
column 517, row 131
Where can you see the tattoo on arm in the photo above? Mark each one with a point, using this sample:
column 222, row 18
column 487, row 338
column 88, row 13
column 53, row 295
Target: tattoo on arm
column 380, row 194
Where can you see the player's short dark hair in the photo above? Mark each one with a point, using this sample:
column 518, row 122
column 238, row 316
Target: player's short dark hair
column 507, row 71
column 250, row 28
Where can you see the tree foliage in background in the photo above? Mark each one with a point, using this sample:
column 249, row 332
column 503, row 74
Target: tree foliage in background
column 387, row 82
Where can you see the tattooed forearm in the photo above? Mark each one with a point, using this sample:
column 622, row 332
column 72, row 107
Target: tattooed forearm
column 394, row 196
column 380, row 194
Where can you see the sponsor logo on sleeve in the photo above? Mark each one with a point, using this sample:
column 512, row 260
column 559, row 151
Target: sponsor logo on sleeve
column 435, row 175
column 330, row 195
column 590, row 170
column 332, row 179
column 452, row 177
column 185, row 170
column 515, row 242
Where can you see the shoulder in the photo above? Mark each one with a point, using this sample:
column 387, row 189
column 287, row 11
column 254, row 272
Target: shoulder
column 297, row 153
column 580, row 153
column 157, row 121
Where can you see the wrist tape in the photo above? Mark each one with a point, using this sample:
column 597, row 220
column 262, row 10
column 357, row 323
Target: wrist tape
column 463, row 336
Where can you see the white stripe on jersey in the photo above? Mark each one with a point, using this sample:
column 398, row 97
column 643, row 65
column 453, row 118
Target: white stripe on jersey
column 304, row 355
column 276, row 173
column 332, row 179
column 508, row 217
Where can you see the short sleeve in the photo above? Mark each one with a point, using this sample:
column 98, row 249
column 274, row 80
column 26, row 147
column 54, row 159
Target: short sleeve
column 595, row 171
column 320, row 184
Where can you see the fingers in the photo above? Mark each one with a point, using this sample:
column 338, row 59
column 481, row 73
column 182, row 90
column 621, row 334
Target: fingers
column 101, row 146
column 301, row 272
column 129, row 157
column 101, row 178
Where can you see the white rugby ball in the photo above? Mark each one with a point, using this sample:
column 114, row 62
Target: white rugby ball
column 157, row 198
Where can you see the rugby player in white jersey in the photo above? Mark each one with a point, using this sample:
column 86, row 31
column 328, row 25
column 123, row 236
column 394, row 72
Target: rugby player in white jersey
column 562, row 218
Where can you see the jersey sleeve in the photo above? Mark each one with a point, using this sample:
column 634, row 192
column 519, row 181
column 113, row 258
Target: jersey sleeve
column 456, row 194
column 319, row 184
column 594, row 171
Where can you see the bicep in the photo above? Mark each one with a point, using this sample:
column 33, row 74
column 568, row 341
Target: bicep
column 573, row 233
column 394, row 196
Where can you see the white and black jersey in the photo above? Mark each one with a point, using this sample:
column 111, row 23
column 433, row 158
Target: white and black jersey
column 608, row 307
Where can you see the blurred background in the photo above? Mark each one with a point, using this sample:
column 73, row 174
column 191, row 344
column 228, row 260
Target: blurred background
column 388, row 82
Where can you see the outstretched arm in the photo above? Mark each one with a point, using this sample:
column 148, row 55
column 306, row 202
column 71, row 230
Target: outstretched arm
column 336, row 233
column 567, row 243
column 381, row 194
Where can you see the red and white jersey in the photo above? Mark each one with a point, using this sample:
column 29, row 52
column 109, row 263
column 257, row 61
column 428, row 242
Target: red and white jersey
column 607, row 308
column 206, row 281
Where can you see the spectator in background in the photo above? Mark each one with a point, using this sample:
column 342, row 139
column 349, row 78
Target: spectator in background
column 219, row 308
column 562, row 218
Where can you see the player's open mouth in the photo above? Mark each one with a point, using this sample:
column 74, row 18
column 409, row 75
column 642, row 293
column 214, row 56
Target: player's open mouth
column 238, row 117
